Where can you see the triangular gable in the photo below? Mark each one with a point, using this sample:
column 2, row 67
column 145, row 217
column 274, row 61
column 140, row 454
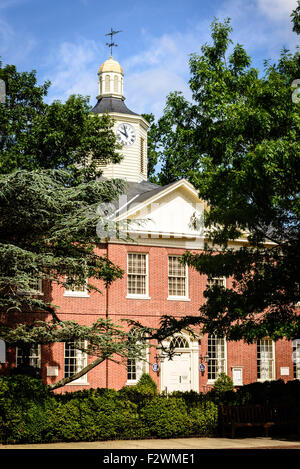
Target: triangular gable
column 175, row 210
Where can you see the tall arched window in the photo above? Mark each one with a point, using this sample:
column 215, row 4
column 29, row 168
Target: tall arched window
column 107, row 84
column 75, row 360
column 116, row 83
column 137, row 366
column 179, row 342
column 296, row 358
column 216, row 348
column 265, row 359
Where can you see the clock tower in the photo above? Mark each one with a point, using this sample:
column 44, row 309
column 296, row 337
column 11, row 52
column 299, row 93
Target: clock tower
column 130, row 128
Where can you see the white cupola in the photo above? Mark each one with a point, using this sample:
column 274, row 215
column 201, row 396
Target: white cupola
column 111, row 79
column 130, row 128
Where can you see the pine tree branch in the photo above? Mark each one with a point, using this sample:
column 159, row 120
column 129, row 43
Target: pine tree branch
column 78, row 375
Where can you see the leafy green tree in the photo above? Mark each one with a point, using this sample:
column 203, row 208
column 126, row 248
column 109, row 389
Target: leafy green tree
column 223, row 384
column 36, row 135
column 48, row 233
column 238, row 143
column 49, row 199
column 153, row 139
column 296, row 18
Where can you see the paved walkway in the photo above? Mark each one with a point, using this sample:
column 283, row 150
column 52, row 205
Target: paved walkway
column 178, row 443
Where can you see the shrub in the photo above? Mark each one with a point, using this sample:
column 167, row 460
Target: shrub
column 95, row 418
column 141, row 393
column 223, row 384
column 191, row 398
column 86, row 394
column 23, row 401
column 30, row 371
column 146, row 385
column 165, row 417
column 24, row 388
column 204, row 419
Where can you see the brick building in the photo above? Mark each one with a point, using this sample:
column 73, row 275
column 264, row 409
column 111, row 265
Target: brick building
column 155, row 283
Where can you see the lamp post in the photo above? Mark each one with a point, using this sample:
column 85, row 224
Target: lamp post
column 204, row 359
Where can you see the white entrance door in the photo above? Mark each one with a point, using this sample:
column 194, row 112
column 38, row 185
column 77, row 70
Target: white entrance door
column 177, row 373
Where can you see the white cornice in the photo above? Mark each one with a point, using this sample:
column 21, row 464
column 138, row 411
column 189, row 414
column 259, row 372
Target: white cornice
column 118, row 116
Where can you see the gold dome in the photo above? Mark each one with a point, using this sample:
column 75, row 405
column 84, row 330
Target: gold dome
column 111, row 65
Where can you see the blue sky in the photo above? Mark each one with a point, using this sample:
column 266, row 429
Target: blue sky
column 64, row 41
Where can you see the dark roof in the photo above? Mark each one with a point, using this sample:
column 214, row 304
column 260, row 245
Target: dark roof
column 112, row 105
column 136, row 192
column 146, row 190
column 139, row 192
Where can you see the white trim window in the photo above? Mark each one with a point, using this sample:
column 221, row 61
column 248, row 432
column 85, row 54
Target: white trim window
column 217, row 352
column 75, row 361
column 296, row 358
column 76, row 290
column 137, row 275
column 265, row 360
column 34, row 356
column 211, row 281
column 36, row 286
column 136, row 367
column 179, row 343
column 177, row 279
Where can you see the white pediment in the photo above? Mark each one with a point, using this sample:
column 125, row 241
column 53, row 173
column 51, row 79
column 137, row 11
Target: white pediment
column 176, row 211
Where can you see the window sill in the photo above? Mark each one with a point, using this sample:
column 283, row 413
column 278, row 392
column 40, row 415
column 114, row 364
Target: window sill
column 178, row 298
column 261, row 380
column 74, row 383
column 75, row 294
column 131, row 382
column 137, row 297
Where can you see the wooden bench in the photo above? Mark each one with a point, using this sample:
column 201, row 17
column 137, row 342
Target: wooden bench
column 233, row 417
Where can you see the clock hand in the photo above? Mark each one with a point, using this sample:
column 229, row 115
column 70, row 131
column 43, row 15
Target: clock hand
column 124, row 128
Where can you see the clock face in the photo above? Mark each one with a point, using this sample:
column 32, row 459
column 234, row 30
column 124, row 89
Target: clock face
column 126, row 134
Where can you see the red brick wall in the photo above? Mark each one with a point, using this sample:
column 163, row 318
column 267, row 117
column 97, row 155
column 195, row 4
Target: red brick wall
column 147, row 311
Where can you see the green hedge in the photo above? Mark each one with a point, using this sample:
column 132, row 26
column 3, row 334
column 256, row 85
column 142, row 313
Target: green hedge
column 24, row 404
column 29, row 413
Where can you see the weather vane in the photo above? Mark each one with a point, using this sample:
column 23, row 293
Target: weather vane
column 112, row 44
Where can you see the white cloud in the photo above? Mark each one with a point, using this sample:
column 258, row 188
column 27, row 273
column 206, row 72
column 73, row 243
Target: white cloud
column 161, row 68
column 262, row 26
column 276, row 9
column 6, row 34
column 147, row 91
column 10, row 50
column 74, row 69
column 149, row 75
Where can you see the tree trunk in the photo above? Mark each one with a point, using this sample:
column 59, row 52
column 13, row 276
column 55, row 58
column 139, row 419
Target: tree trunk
column 84, row 370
